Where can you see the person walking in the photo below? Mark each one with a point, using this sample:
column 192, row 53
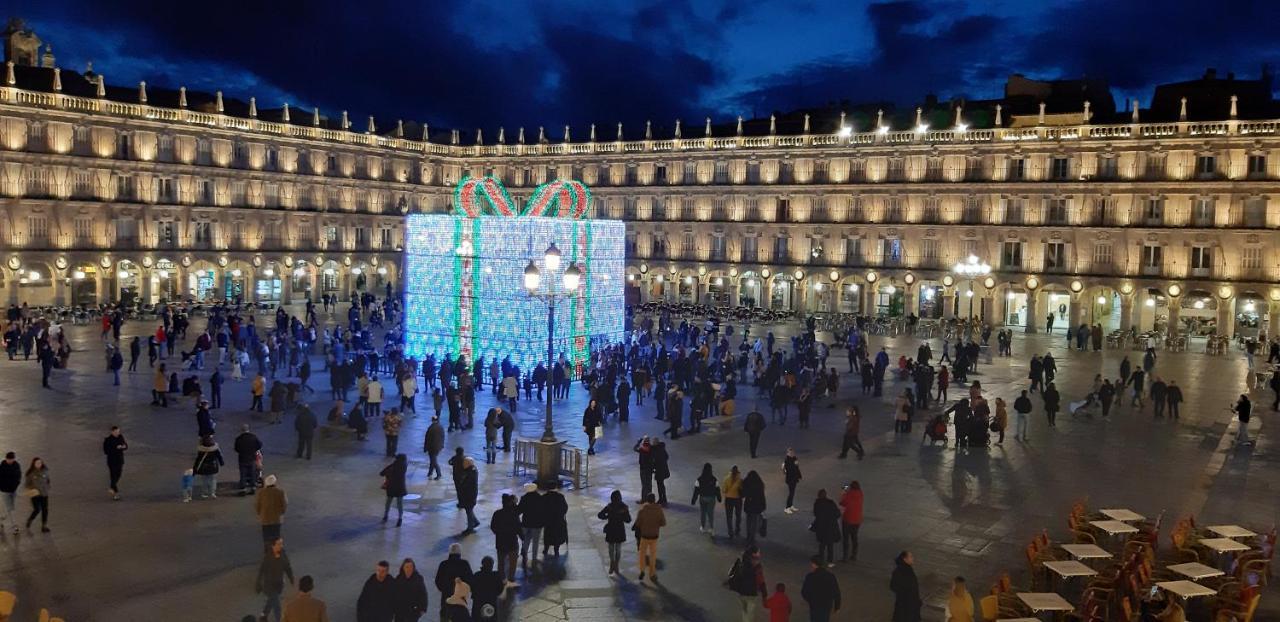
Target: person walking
column 1022, row 408
column 247, row 447
column 821, row 591
column 257, row 388
column 533, row 519
column 850, row 521
column 508, row 424
column 615, row 515
column 644, row 453
column 706, row 493
column 1051, row 404
column 732, row 490
column 1159, row 392
column 304, row 423
column 746, row 577
column 451, row 569
column 433, row 444
column 1106, row 395
column 791, row 475
column 160, row 388
column 852, row 429
column 114, row 446
column 391, row 423
column 304, row 607
column 270, row 507
column 207, row 464
column 393, row 482
column 115, row 363
column 779, row 604
column 754, row 425
column 215, row 388
column 906, row 589
column 468, row 488
column 373, row 405
column 902, row 412
column 556, row 533
column 486, row 589
column 10, row 480
column 36, row 485
column 592, row 418
column 377, row 600
column 1173, row 395
column 960, row 602
column 826, row 526
column 505, row 526
column 272, row 572
column 1001, row 421
column 753, row 505
column 649, row 523
column 411, row 593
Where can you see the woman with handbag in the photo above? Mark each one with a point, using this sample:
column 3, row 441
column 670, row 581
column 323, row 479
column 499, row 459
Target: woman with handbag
column 591, row 418
column 393, row 476
column 36, row 487
column 208, row 462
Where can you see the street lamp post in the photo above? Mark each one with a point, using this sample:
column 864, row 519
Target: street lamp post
column 971, row 269
column 549, row 446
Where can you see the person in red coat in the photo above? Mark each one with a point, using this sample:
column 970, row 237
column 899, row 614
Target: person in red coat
column 850, row 520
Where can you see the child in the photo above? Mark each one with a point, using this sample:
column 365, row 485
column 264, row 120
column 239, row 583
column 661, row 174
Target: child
column 188, row 477
column 237, row 370
column 779, row 605
column 437, row 400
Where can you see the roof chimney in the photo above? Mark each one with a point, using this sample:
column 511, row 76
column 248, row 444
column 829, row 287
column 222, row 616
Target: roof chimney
column 9, row 78
column 502, row 135
column 101, row 90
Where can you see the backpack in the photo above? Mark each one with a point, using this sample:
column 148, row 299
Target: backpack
column 731, row 581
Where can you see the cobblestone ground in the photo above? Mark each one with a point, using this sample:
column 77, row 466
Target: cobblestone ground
column 150, row 557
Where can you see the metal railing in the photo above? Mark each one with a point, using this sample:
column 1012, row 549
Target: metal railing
column 574, row 462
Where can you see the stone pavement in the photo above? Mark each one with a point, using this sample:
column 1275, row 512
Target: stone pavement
column 968, row 512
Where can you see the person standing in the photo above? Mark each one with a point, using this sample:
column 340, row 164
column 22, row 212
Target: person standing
column 114, row 447
column 135, row 351
column 247, row 447
column 451, row 568
column 36, row 485
column 791, row 475
column 159, row 388
column 411, row 593
column 753, row 504
column 906, row 589
column 644, row 451
column 373, row 405
column 850, row 521
column 508, row 424
column 1022, row 408
column 779, row 605
column 10, row 479
column 468, row 488
column 272, row 573
column 592, row 417
column 433, row 444
column 821, row 591
column 533, row 519
column 746, row 577
column 270, row 507
column 391, row 429
column 753, row 425
column 256, row 388
column 1243, row 410
column 505, row 526
column 304, row 607
column 706, row 493
column 486, row 588
column 207, row 464
column 649, row 523
column 623, row 395
column 1159, row 392
column 556, row 533
column 215, row 388
column 732, row 489
column 852, row 428
column 661, row 470
column 1051, row 404
column 826, row 526
column 616, row 515
column 393, row 482
column 1001, row 420
column 377, row 601
column 116, row 363
column 960, row 602
column 1174, row 398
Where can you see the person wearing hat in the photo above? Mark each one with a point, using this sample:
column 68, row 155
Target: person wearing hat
column 270, row 507
column 452, row 567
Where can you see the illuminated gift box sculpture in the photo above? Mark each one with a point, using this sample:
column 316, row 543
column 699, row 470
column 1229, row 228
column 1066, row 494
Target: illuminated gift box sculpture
column 464, row 290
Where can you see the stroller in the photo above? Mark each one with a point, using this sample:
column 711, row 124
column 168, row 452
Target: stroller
column 936, row 430
column 1087, row 407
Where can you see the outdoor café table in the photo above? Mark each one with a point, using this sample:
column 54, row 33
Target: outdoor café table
column 1070, row 569
column 1223, row 546
column 1231, row 531
column 1045, row 601
column 1194, row 570
column 1122, row 515
column 1186, row 589
column 1086, row 551
column 1114, row 527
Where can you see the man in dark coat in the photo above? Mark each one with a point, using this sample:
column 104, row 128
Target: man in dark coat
column 754, row 425
column 433, row 445
column 661, row 470
column 556, row 533
column 114, row 447
column 204, row 420
column 505, row 526
column 305, row 424
column 906, row 589
column 468, row 488
column 533, row 518
column 624, row 401
column 821, row 591
column 453, row 567
column 247, row 446
column 508, row 427
column 644, row 448
column 378, row 597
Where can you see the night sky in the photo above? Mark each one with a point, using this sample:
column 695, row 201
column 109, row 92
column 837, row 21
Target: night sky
column 551, row 62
